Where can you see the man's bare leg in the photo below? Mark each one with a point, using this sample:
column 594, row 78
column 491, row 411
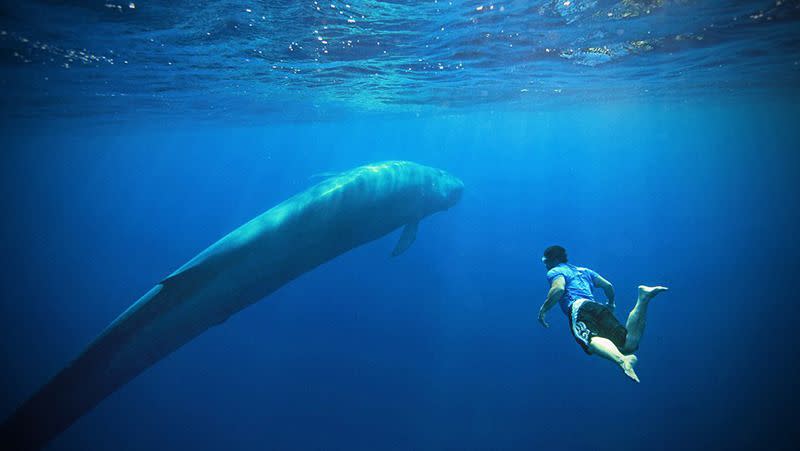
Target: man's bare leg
column 608, row 350
column 637, row 319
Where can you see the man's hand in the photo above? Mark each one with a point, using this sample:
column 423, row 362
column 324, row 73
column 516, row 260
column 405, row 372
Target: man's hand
column 542, row 314
column 557, row 287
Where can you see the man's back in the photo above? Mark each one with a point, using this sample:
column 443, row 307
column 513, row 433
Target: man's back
column 578, row 283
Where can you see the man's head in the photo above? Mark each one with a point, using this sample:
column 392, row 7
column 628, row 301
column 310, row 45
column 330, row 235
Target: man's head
column 554, row 256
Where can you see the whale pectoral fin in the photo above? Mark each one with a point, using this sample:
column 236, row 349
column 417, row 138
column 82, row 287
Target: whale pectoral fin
column 406, row 239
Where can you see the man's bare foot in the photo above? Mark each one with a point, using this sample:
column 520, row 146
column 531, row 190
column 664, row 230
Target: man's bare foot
column 646, row 293
column 628, row 362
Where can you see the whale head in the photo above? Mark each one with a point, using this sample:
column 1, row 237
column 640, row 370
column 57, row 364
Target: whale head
column 447, row 190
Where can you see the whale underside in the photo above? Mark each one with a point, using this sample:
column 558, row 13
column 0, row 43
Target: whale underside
column 297, row 235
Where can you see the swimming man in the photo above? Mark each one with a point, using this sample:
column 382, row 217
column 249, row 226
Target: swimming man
column 593, row 324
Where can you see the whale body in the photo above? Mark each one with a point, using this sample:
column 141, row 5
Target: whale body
column 297, row 235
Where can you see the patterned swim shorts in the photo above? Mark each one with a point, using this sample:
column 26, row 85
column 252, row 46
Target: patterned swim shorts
column 591, row 319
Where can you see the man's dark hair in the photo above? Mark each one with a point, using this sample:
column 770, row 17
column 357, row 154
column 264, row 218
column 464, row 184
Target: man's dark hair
column 556, row 254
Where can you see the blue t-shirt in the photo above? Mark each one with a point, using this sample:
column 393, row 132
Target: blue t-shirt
column 578, row 284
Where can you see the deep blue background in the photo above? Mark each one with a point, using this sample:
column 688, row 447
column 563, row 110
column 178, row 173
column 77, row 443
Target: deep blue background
column 438, row 348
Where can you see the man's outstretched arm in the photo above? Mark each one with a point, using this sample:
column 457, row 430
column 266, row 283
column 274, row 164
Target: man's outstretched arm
column 608, row 289
column 555, row 293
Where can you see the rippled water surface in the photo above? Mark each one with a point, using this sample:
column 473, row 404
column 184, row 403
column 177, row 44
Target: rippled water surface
column 294, row 58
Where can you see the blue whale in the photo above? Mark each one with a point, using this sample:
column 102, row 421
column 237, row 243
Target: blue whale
column 297, row 235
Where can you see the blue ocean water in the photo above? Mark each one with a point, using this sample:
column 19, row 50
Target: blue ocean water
column 656, row 140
